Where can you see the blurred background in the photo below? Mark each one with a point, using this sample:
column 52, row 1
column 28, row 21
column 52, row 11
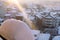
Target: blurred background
column 42, row 16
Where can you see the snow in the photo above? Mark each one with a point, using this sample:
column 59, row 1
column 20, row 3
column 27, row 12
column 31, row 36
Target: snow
column 59, row 30
column 56, row 38
column 31, row 17
column 36, row 32
column 1, row 39
column 13, row 11
column 57, row 8
column 19, row 14
column 44, row 36
column 58, row 18
column 28, row 11
column 7, row 14
column 53, row 14
column 1, row 19
column 39, row 16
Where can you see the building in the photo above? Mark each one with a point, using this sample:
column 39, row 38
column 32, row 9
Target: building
column 48, row 21
column 58, row 19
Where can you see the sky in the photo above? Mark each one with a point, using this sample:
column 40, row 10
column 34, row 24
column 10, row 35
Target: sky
column 36, row 1
column 50, row 3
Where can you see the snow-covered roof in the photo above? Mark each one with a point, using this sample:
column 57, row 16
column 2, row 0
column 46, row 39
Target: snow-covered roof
column 19, row 14
column 35, row 31
column 38, row 15
column 1, row 19
column 49, row 16
column 7, row 15
column 57, row 17
column 56, row 38
column 56, row 8
column 13, row 11
column 31, row 18
column 44, row 36
column 53, row 14
column 59, row 30
column 28, row 11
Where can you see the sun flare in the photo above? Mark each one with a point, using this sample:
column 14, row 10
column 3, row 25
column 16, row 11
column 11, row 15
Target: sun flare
column 17, row 3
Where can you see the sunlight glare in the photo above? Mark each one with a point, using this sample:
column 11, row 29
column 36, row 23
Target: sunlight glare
column 16, row 2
